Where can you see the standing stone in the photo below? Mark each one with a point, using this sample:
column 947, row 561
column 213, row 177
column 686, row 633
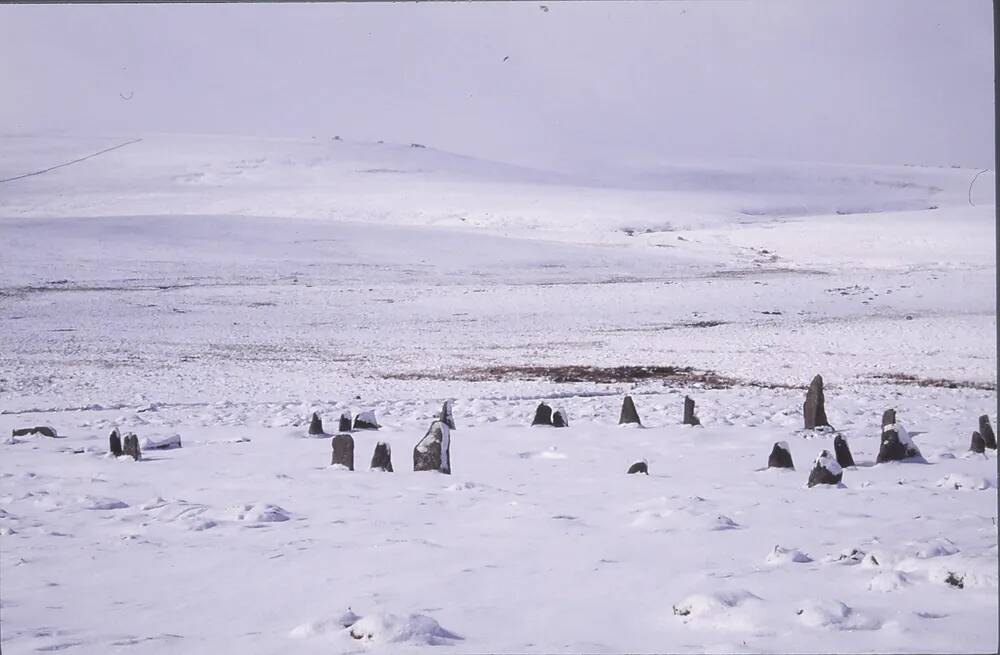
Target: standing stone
column 382, row 458
column 115, row 443
column 896, row 445
column 814, row 409
column 315, row 425
column 447, row 417
column 639, row 467
column 628, row 414
column 986, row 431
column 343, row 451
column 888, row 418
column 433, row 452
column 978, row 444
column 689, row 417
column 131, row 447
column 840, row 448
column 345, row 422
column 366, row 421
column 780, row 457
column 560, row 419
column 543, row 415
column 825, row 470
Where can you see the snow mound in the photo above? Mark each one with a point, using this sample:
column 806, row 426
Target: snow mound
column 97, row 502
column 726, row 610
column 829, row 463
column 168, row 442
column 937, row 547
column 779, row 556
column 888, row 581
column 834, row 615
column 190, row 515
column 963, row 482
column 392, row 629
column 258, row 513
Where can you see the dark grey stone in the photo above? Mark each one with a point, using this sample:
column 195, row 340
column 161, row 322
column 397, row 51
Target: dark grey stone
column 843, row 452
column 115, row 443
column 814, row 409
column 366, row 421
column 43, row 430
column 382, row 458
column 131, row 447
column 978, row 444
column 893, row 449
column 315, row 424
column 888, row 417
column 639, row 467
column 345, row 422
column 433, row 452
column 780, row 458
column 447, row 417
column 820, row 474
column 628, row 413
column 343, row 451
column 689, row 417
column 559, row 419
column 986, row 431
column 543, row 415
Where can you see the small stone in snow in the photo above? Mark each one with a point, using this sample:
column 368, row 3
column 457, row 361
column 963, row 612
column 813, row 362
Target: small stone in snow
column 825, row 471
column 315, row 424
column 780, row 457
column 543, row 415
column 986, row 430
column 115, row 443
column 628, row 414
column 843, row 452
column 639, row 467
column 343, row 451
column 382, row 458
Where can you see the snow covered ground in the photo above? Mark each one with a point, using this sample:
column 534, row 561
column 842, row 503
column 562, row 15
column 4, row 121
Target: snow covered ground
column 223, row 289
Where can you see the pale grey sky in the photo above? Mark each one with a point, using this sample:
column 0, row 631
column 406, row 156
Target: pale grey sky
column 869, row 81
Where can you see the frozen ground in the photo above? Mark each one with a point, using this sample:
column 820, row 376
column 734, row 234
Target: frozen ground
column 223, row 289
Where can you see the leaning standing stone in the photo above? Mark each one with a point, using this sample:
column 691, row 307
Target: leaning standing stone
column 825, row 470
column 689, row 417
column 560, row 419
column 814, row 409
column 366, row 421
column 343, row 451
column 345, row 422
column 639, row 467
column 433, row 452
column 780, row 457
column 315, row 424
column 978, row 444
column 986, row 431
column 843, row 452
column 628, row 413
column 382, row 458
column 115, row 442
column 543, row 415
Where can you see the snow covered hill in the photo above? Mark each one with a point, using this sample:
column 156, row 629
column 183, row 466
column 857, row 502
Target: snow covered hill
column 222, row 289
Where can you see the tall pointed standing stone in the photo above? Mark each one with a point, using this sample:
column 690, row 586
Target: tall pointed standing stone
column 888, row 418
column 433, row 452
column 115, row 442
column 543, row 415
column 986, row 432
column 344, row 424
column 382, row 458
column 315, row 424
column 343, row 451
column 628, row 414
column 814, row 409
column 978, row 444
column 844, row 457
column 447, row 417
column 689, row 417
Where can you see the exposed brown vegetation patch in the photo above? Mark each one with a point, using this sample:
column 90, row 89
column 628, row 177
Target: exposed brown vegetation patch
column 593, row 374
column 904, row 378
